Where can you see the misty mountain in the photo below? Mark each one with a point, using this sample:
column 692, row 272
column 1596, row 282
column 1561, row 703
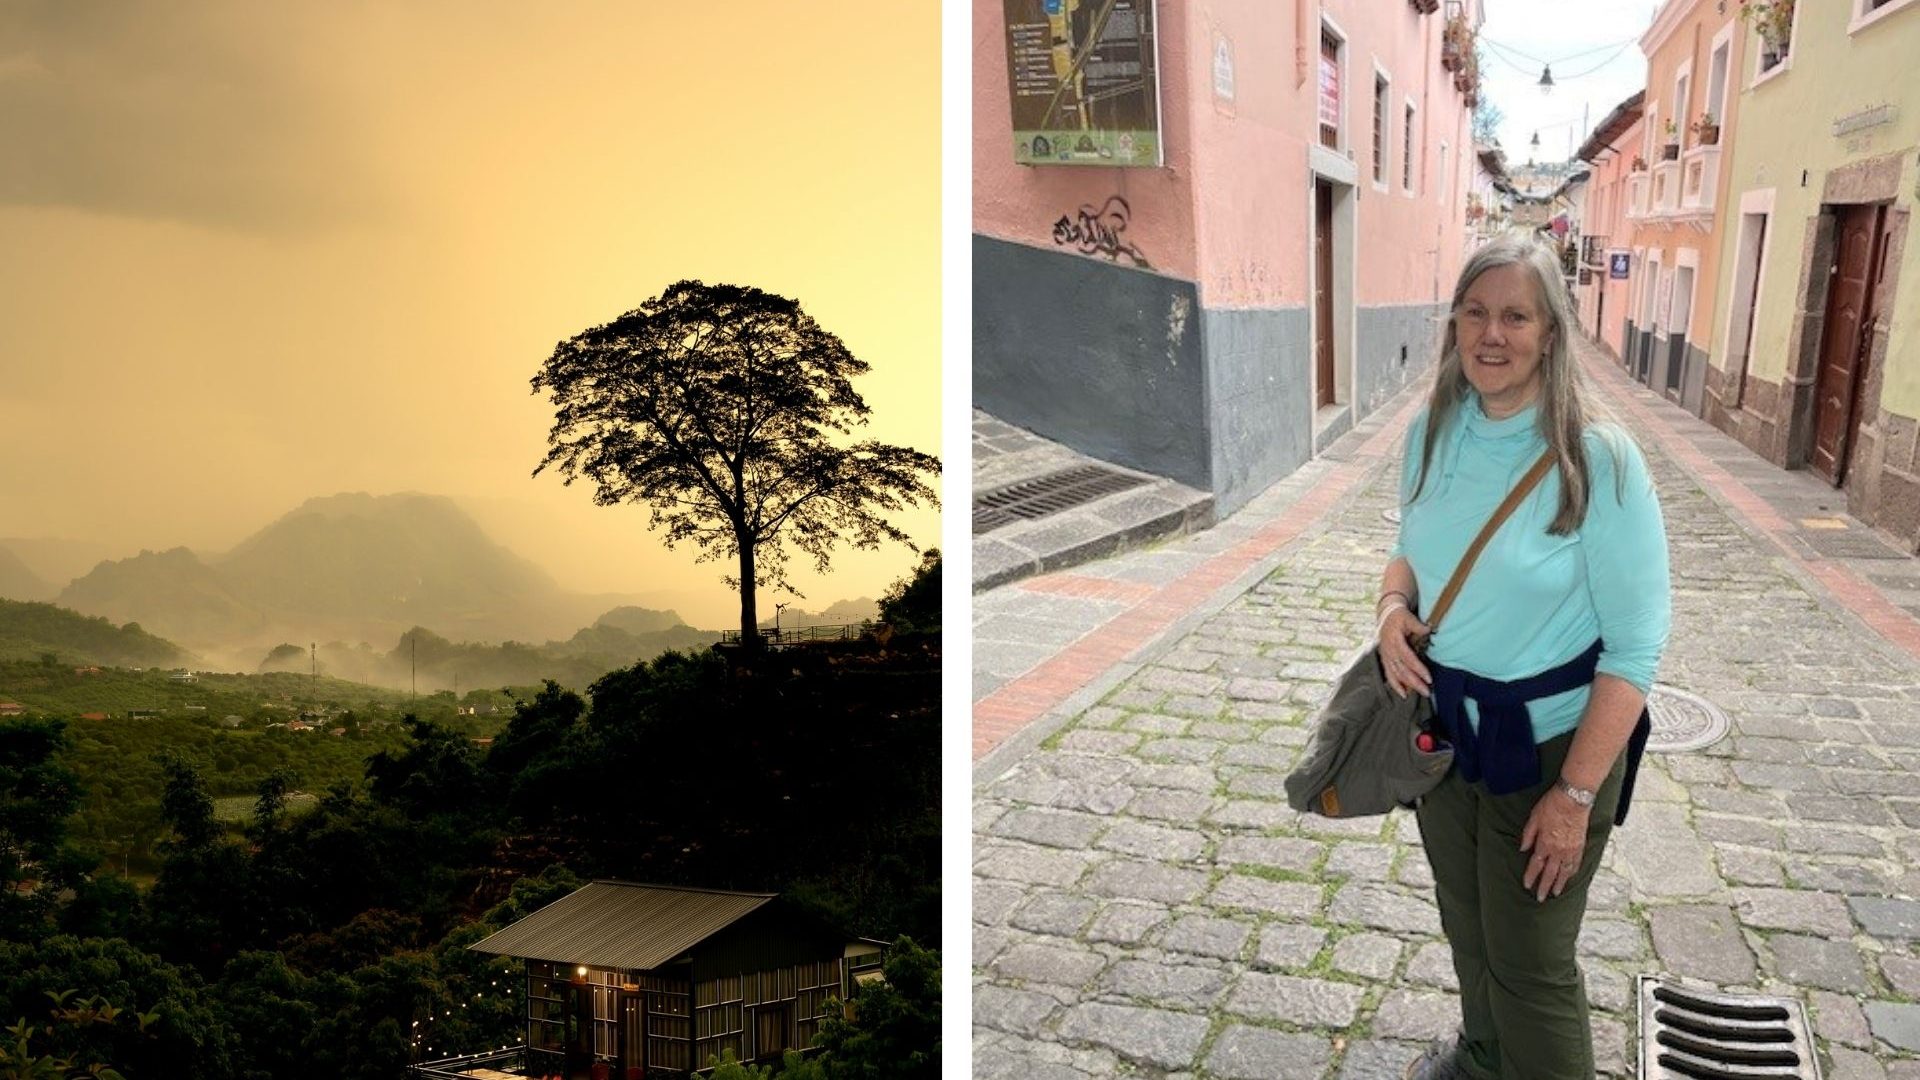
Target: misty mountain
column 29, row 631
column 842, row 611
column 58, row 560
column 639, row 620
column 19, row 582
column 171, row 592
column 431, row 662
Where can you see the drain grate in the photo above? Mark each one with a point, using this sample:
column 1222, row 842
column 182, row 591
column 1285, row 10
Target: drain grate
column 1849, row 545
column 1689, row 1034
column 1047, row 495
column 1683, row 721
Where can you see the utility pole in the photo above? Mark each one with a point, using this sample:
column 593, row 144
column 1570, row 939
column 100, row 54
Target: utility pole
column 313, row 658
column 413, row 649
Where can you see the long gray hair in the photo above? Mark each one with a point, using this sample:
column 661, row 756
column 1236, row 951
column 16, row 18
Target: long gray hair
column 1566, row 404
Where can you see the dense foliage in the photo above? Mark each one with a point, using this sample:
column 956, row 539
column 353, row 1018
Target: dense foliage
column 30, row 631
column 330, row 941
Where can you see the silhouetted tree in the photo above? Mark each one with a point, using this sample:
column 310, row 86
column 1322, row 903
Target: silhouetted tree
column 719, row 407
column 913, row 603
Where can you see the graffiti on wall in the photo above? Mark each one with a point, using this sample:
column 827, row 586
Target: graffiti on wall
column 1100, row 231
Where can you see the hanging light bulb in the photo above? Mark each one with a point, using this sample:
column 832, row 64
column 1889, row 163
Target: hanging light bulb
column 1546, row 78
column 1536, row 139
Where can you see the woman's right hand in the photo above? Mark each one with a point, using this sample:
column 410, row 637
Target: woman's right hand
column 1405, row 671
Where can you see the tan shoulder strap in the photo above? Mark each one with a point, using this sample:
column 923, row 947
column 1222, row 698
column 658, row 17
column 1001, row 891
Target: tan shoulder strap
column 1492, row 526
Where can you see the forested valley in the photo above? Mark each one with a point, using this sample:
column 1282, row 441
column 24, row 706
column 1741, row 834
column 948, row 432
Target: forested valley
column 219, row 893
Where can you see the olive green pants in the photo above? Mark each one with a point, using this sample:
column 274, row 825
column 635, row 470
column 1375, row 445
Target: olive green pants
column 1522, row 999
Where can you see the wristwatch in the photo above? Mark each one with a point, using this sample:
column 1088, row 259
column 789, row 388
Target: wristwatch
column 1583, row 796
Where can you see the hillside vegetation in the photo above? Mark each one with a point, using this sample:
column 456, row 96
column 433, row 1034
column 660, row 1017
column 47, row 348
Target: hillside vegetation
column 33, row 631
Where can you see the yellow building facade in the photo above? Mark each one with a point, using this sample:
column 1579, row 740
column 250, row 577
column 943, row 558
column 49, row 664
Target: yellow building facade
column 1812, row 359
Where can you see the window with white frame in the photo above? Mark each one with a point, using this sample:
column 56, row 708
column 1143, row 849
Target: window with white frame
column 1332, row 74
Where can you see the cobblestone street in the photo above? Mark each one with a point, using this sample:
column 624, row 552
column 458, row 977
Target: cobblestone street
column 1146, row 904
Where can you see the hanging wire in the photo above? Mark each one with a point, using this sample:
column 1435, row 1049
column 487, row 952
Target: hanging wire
column 1484, row 40
column 1496, row 53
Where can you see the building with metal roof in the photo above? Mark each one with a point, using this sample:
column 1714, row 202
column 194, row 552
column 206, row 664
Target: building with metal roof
column 633, row 981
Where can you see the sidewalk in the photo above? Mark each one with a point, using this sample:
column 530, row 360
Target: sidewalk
column 1145, row 902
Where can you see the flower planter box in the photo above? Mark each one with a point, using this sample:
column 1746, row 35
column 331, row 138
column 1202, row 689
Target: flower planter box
column 1709, row 135
column 1670, row 152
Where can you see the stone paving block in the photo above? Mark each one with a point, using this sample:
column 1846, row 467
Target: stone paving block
column 1779, row 777
column 1831, row 840
column 1740, row 866
column 1053, row 913
column 1288, row 899
column 1736, row 802
column 1839, row 876
column 1252, row 1053
column 1895, row 1023
column 989, row 942
column 1702, row 941
column 1030, row 864
column 1417, row 1015
column 1126, row 923
column 1748, row 832
column 1260, row 755
column 1608, row 988
column 1611, row 1046
column 1180, row 986
column 1060, row 965
column 1902, row 973
column 1021, row 1012
column 1854, row 1065
column 1662, row 856
column 1249, row 688
column 1000, row 1057
column 1368, row 956
column 1359, row 860
column 1204, row 935
column 992, row 900
column 1226, row 731
column 1129, row 879
column 1166, row 1040
column 1817, row 962
column 1839, row 1018
column 1252, row 814
column 1296, row 1001
column 1432, row 965
column 1176, row 806
column 1615, row 939
column 1174, row 680
column 1180, row 749
column 1197, row 778
column 1887, row 918
column 1793, row 909
column 1149, row 841
column 1195, row 706
column 1053, row 828
column 1289, row 946
column 1153, row 723
column 1378, row 1059
column 1099, row 742
column 1383, row 909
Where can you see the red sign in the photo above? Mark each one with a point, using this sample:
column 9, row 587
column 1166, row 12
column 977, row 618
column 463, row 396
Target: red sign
column 1329, row 91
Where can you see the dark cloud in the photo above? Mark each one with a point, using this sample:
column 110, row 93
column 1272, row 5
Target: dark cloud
column 208, row 113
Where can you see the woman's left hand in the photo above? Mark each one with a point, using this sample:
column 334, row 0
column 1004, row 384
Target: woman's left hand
column 1556, row 834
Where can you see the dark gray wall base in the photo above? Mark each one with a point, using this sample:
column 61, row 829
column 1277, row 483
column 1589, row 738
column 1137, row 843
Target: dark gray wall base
column 1693, row 381
column 1102, row 358
column 1394, row 345
column 1257, row 397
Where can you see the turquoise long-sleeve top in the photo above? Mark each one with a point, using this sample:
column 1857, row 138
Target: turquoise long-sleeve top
column 1534, row 601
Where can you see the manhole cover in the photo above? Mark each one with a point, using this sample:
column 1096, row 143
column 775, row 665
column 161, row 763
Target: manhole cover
column 1683, row 721
column 1689, row 1034
column 1049, row 494
column 1391, row 513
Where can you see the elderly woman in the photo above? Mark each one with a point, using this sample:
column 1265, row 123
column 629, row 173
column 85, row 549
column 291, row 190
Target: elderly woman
column 1540, row 671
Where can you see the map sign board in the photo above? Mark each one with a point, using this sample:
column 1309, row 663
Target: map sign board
column 1084, row 77
column 1617, row 262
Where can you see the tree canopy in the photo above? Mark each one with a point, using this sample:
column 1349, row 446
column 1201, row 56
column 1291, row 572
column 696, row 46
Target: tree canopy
column 729, row 412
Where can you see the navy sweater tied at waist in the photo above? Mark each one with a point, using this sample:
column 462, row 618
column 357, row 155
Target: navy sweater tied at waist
column 1502, row 752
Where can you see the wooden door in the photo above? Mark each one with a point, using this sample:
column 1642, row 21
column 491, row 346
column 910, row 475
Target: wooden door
column 1837, row 383
column 1323, row 292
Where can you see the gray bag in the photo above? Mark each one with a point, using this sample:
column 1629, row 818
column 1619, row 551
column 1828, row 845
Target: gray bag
column 1364, row 757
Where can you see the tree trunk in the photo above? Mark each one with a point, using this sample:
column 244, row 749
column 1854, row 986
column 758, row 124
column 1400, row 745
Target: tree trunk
column 749, row 618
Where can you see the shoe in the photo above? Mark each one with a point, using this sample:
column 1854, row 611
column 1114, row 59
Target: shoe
column 1439, row 1061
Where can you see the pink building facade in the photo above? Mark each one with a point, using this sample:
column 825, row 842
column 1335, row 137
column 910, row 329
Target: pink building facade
column 1219, row 318
column 1606, row 257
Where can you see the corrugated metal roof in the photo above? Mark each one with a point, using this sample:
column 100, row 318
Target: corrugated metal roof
column 616, row 924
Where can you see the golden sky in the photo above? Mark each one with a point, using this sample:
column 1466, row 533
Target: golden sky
column 252, row 253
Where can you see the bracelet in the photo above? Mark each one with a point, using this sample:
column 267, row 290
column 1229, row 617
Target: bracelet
column 1405, row 600
column 1381, row 626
